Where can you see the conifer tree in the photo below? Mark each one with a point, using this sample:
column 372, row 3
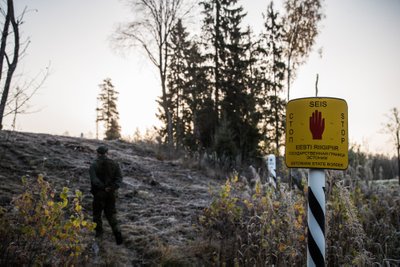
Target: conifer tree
column 188, row 91
column 214, row 45
column 176, row 82
column 229, row 57
column 114, row 132
column 198, row 97
column 259, row 84
column 227, row 90
column 274, row 113
column 107, row 112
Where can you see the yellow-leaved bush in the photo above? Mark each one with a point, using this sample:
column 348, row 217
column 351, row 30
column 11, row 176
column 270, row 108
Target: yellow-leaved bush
column 264, row 226
column 43, row 227
column 258, row 227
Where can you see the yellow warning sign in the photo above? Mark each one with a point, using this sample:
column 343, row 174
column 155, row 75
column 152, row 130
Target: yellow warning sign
column 317, row 133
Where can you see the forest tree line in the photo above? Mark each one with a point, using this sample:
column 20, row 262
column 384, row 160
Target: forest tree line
column 369, row 166
column 224, row 90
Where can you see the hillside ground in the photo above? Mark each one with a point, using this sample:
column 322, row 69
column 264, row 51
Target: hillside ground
column 157, row 206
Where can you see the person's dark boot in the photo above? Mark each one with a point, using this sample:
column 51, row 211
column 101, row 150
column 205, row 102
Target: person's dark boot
column 99, row 234
column 118, row 238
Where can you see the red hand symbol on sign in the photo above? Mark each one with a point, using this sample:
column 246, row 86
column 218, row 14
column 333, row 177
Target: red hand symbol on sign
column 317, row 125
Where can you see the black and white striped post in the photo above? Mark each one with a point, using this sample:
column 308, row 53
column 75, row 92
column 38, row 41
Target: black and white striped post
column 316, row 139
column 316, row 218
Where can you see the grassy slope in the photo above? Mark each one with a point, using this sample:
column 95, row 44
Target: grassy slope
column 158, row 202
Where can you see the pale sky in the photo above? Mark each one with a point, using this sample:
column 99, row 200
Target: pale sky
column 360, row 63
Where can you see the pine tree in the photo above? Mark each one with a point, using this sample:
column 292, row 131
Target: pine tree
column 108, row 112
column 274, row 114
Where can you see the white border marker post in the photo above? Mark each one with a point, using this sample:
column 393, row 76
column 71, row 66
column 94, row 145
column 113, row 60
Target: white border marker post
column 316, row 218
column 271, row 165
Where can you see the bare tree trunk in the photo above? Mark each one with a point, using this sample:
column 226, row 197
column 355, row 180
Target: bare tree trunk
column 397, row 138
column 14, row 123
column 398, row 162
column 163, row 61
column 2, row 57
column 398, row 154
column 160, row 16
column 4, row 41
column 11, row 65
column 165, row 26
column 393, row 128
column 169, row 128
column 216, row 59
column 165, row 106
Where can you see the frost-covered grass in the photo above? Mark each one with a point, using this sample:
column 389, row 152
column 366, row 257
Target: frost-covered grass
column 263, row 227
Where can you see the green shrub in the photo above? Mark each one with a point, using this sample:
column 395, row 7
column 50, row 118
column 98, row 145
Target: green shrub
column 41, row 228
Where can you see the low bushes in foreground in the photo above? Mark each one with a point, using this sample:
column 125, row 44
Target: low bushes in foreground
column 42, row 228
column 264, row 226
column 257, row 228
column 378, row 208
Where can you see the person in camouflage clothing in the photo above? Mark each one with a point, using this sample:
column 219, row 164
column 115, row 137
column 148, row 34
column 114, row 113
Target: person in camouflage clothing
column 105, row 178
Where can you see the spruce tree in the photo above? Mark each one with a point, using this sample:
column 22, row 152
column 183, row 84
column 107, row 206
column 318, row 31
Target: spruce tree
column 176, row 82
column 107, row 112
column 274, row 113
column 188, row 92
column 235, row 100
column 214, row 45
column 198, row 96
